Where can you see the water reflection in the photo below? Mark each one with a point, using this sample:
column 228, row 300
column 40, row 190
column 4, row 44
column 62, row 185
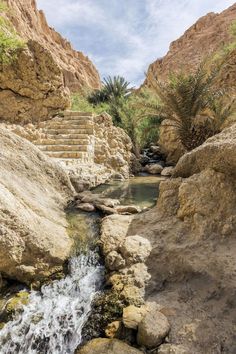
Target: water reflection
column 142, row 190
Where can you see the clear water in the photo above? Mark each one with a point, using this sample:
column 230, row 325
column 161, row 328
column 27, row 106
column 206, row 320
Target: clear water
column 52, row 321
column 142, row 190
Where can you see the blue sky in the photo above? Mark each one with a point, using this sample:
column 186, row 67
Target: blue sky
column 122, row 37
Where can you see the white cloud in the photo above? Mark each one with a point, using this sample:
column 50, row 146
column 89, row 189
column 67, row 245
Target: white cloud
column 123, row 37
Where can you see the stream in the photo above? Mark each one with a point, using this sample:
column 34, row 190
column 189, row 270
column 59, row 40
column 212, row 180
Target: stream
column 53, row 319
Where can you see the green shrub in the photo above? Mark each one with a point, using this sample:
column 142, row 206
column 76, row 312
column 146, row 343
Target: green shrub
column 10, row 42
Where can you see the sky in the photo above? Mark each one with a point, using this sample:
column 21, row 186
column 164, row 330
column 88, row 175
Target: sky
column 122, row 37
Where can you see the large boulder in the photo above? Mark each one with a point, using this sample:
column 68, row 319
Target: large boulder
column 107, row 346
column 31, row 88
column 33, row 193
column 152, row 330
column 217, row 153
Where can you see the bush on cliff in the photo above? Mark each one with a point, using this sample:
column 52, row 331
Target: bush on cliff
column 10, row 42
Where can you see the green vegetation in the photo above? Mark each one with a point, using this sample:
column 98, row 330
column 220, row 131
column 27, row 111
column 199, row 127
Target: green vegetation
column 193, row 105
column 112, row 89
column 10, row 42
column 135, row 112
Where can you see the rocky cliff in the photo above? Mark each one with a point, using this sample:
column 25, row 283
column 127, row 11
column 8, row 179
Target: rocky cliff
column 30, row 23
column 206, row 36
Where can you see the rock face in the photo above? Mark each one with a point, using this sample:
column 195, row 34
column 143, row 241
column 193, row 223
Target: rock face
column 192, row 230
column 208, row 35
column 112, row 146
column 31, row 88
column 205, row 37
column 78, row 71
column 33, row 193
column 107, row 346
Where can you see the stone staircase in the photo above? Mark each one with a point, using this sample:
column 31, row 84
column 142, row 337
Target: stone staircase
column 69, row 139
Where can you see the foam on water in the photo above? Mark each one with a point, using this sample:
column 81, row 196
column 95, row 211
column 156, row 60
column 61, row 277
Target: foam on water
column 52, row 321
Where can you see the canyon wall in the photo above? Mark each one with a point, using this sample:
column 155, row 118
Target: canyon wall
column 209, row 34
column 78, row 71
column 37, row 83
column 207, row 37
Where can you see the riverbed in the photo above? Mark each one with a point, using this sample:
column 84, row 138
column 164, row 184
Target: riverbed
column 53, row 319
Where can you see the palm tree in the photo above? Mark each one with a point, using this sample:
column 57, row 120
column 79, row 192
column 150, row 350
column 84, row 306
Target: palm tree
column 113, row 89
column 193, row 106
column 116, row 87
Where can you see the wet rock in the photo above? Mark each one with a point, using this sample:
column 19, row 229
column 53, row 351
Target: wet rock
column 153, row 328
column 155, row 149
column 128, row 209
column 114, row 261
column 112, row 329
column 135, row 249
column 133, row 315
column 105, row 209
column 154, row 169
column 167, row 171
column 86, row 207
column 107, row 346
column 172, row 349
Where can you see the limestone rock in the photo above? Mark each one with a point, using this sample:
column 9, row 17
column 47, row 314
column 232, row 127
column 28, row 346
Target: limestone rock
column 169, row 142
column 128, row 209
column 137, row 274
column 172, row 349
column 133, row 315
column 167, row 171
column 217, row 153
column 33, row 193
column 113, row 232
column 107, row 346
column 114, row 261
column 135, row 249
column 112, row 146
column 31, row 88
column 154, row 169
column 77, row 70
column 86, row 207
column 153, row 328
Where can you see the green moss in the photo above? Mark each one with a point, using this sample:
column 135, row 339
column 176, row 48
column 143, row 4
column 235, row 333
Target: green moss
column 16, row 303
column 10, row 41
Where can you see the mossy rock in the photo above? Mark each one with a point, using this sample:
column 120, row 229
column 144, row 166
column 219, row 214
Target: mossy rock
column 16, row 303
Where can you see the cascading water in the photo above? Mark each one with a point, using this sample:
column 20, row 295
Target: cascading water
column 52, row 321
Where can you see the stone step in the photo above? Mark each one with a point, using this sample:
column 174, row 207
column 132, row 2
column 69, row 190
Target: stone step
column 66, row 154
column 72, row 118
column 73, row 122
column 67, row 136
column 78, row 114
column 60, row 125
column 64, row 148
column 69, row 131
column 62, row 142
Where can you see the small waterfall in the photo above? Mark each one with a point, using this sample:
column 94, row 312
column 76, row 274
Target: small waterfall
column 52, row 321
